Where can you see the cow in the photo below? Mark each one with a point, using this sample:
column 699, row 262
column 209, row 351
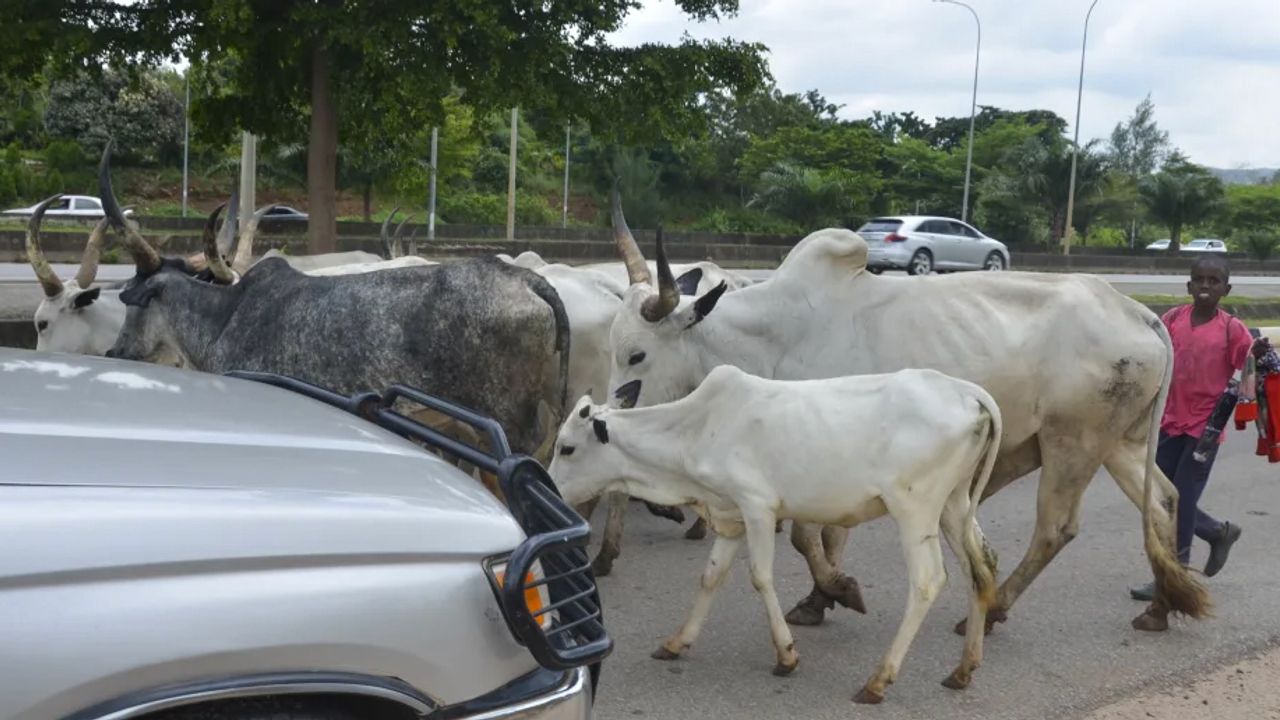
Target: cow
column 73, row 316
column 750, row 451
column 479, row 333
column 1080, row 371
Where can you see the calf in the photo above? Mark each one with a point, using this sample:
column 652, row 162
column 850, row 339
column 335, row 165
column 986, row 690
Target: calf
column 748, row 451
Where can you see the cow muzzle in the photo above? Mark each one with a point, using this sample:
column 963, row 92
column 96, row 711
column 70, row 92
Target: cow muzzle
column 628, row 394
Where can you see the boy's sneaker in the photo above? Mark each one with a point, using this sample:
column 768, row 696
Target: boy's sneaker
column 1145, row 593
column 1218, row 549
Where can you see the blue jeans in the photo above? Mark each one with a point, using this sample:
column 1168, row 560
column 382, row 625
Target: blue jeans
column 1173, row 456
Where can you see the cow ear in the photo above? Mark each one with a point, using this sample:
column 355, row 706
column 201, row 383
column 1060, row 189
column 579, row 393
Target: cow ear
column 86, row 298
column 602, row 430
column 703, row 306
column 688, row 282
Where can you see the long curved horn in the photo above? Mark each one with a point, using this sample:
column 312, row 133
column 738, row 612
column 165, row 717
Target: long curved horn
column 386, row 239
column 227, row 235
column 144, row 256
column 48, row 279
column 637, row 268
column 221, row 273
column 92, row 253
column 399, row 240
column 658, row 306
column 244, row 249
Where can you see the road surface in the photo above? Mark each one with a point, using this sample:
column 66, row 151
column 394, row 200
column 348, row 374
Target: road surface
column 1067, row 648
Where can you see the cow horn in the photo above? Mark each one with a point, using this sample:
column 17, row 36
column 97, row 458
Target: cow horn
column 399, row 239
column 221, row 273
column 637, row 268
column 92, row 253
column 386, row 239
column 48, row 280
column 144, row 256
column 658, row 306
column 244, row 250
column 227, row 234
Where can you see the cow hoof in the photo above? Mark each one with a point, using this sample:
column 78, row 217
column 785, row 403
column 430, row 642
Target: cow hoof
column 696, row 531
column 957, row 680
column 662, row 653
column 777, row 527
column 847, row 593
column 669, row 512
column 601, row 566
column 811, row 610
column 866, row 696
column 783, row 670
column 1151, row 622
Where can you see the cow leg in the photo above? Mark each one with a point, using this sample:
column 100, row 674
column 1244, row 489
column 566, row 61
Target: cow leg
column 1069, row 464
column 927, row 576
column 723, row 551
column 981, row 572
column 760, row 547
column 611, row 545
column 823, row 550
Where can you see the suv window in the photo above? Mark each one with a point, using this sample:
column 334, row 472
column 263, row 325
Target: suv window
column 87, row 204
column 934, row 226
column 959, row 228
column 880, row 225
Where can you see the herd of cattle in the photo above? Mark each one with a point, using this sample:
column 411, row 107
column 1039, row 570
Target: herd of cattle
column 750, row 403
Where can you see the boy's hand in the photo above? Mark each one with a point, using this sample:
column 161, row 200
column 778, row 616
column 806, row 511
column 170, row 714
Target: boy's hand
column 1261, row 347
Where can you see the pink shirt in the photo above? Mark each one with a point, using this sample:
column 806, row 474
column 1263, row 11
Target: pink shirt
column 1202, row 365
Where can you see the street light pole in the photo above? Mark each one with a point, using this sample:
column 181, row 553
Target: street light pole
column 973, row 108
column 1075, row 144
column 186, row 137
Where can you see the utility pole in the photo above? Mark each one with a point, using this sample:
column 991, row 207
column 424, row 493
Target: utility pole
column 186, row 138
column 564, row 211
column 973, row 108
column 1075, row 146
column 248, row 175
column 511, row 183
column 431, row 199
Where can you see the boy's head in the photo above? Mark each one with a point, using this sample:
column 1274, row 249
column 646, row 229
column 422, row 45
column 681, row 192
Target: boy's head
column 1210, row 281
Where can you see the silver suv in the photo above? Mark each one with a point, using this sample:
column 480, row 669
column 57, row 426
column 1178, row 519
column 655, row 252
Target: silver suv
column 176, row 544
column 921, row 244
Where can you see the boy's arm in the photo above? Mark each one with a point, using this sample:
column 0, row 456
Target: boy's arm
column 1241, row 343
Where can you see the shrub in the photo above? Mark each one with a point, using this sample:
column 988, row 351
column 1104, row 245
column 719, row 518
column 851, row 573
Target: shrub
column 471, row 208
column 65, row 156
column 744, row 220
column 1260, row 245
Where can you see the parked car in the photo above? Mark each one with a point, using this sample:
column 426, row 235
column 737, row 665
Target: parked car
column 1163, row 245
column 68, row 206
column 1205, row 245
column 284, row 212
column 188, row 545
column 921, row 244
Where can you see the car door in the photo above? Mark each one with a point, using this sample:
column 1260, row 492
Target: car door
column 971, row 252
column 945, row 243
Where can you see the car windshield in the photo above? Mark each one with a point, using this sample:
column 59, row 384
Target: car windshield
column 880, row 225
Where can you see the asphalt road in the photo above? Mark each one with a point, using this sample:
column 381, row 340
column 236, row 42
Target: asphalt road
column 1066, row 649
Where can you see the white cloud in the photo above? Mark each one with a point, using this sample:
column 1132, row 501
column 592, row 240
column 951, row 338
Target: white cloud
column 1212, row 68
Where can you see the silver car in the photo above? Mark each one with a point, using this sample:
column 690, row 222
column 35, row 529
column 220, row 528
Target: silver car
column 68, row 206
column 176, row 544
column 921, row 244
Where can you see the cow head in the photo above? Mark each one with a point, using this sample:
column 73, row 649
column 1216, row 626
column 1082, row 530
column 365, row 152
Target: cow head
column 69, row 318
column 580, row 463
column 653, row 360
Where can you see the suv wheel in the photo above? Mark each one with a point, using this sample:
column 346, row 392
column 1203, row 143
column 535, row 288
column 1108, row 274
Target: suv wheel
column 921, row 263
column 875, row 270
column 994, row 261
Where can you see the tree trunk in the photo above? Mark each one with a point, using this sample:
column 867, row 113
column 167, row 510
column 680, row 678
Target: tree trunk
column 1057, row 226
column 368, row 200
column 1175, row 239
column 322, row 157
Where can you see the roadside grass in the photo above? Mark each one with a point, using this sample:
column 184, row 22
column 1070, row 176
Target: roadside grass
column 1183, row 299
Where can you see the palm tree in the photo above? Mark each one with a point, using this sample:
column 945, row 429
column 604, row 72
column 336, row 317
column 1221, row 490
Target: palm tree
column 1179, row 195
column 1039, row 173
column 812, row 198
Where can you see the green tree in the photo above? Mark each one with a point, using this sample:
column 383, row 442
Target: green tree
column 1136, row 149
column 809, row 197
column 1251, row 208
column 142, row 113
column 292, row 63
column 1038, row 173
column 1180, row 194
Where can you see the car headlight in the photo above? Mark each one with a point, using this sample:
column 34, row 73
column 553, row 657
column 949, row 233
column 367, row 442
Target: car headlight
column 536, row 597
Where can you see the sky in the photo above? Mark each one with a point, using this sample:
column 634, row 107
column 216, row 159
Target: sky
column 1212, row 67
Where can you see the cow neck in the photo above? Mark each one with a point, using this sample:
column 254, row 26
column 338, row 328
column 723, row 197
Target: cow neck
column 198, row 317
column 657, row 439
column 744, row 331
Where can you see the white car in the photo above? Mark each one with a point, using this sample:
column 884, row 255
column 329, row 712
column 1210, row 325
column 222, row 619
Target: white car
column 921, row 244
column 1205, row 245
column 1161, row 245
column 68, row 206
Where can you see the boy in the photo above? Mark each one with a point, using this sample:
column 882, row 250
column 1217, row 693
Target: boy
column 1209, row 345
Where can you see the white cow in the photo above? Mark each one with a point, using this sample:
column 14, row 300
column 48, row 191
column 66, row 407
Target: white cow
column 751, row 451
column 1081, row 373
column 73, row 316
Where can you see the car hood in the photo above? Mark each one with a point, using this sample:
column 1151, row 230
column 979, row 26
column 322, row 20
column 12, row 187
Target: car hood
column 112, row 443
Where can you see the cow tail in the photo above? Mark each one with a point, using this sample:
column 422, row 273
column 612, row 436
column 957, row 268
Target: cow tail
column 982, row 560
column 1174, row 584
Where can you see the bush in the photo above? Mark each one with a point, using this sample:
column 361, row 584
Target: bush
column 744, row 220
column 471, row 208
column 8, row 191
column 1260, row 245
column 65, row 156
column 1107, row 237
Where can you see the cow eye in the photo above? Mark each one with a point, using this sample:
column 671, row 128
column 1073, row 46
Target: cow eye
column 567, row 450
column 636, row 358
column 42, row 325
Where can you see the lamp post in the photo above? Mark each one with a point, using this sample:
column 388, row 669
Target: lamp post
column 1075, row 144
column 973, row 107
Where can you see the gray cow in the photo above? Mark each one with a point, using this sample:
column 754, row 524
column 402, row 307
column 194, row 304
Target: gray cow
column 480, row 332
